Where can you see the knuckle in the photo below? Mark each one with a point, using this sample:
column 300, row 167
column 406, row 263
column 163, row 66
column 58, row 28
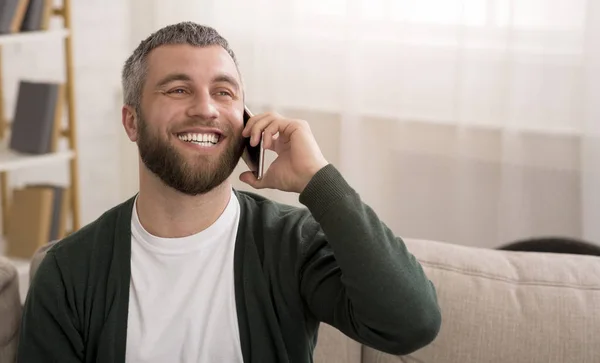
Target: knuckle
column 304, row 124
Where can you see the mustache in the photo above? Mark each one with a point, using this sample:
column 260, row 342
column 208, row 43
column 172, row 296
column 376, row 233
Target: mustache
column 190, row 123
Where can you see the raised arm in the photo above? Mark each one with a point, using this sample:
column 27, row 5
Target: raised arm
column 359, row 277
column 355, row 274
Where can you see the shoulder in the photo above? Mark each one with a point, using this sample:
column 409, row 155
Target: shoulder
column 272, row 215
column 94, row 240
column 283, row 233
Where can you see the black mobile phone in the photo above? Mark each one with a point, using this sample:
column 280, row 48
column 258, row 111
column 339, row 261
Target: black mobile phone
column 253, row 156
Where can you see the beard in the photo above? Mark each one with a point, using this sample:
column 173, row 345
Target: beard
column 192, row 177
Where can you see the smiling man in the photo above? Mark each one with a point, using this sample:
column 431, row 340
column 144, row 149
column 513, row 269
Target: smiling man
column 191, row 269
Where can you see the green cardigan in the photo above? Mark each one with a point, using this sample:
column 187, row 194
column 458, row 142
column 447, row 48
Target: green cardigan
column 333, row 261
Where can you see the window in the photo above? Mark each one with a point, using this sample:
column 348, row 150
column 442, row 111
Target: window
column 521, row 14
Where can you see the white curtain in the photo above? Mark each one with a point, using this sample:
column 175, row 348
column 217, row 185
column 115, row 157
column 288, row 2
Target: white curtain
column 468, row 121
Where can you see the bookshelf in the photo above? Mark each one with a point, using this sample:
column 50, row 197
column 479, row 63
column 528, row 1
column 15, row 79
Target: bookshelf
column 11, row 160
column 34, row 36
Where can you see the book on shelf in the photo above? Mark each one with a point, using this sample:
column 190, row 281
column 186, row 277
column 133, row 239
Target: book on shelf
column 37, row 215
column 12, row 14
column 37, row 16
column 58, row 221
column 36, row 124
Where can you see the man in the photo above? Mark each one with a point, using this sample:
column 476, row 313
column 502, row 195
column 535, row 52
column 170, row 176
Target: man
column 192, row 270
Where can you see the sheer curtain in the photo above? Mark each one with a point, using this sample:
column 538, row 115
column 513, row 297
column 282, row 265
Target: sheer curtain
column 468, row 121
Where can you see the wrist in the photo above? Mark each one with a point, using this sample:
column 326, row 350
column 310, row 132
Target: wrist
column 310, row 173
column 325, row 189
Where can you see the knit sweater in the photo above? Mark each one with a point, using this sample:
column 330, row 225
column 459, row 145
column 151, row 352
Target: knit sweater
column 332, row 260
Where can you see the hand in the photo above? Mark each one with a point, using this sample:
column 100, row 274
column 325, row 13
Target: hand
column 298, row 155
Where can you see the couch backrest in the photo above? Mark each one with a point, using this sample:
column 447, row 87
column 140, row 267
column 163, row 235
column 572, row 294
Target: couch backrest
column 10, row 311
column 517, row 307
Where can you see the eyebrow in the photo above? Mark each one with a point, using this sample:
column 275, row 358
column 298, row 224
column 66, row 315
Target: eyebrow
column 226, row 78
column 173, row 77
column 223, row 77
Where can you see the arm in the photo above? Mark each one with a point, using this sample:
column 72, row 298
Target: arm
column 360, row 278
column 354, row 273
column 49, row 331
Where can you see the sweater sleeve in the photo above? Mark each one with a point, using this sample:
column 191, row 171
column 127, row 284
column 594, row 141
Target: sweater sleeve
column 49, row 330
column 357, row 276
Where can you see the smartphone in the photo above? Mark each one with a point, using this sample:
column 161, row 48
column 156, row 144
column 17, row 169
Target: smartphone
column 253, row 156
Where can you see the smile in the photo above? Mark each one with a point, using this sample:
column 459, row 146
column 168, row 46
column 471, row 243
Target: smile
column 199, row 139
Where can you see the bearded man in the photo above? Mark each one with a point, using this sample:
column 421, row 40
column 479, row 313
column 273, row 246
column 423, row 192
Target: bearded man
column 192, row 270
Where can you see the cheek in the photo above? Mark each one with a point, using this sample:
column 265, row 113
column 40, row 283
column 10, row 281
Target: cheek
column 161, row 117
column 236, row 117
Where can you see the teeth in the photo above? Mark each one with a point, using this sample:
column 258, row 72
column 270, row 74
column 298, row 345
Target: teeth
column 201, row 139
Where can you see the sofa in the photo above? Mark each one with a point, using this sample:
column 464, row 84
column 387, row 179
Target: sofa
column 497, row 306
column 10, row 310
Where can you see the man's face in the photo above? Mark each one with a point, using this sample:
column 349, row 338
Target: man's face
column 191, row 117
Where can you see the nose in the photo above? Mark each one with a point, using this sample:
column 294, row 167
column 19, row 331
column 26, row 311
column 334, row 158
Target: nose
column 203, row 106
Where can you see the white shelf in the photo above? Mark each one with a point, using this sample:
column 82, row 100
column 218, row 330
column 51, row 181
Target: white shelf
column 34, row 36
column 11, row 160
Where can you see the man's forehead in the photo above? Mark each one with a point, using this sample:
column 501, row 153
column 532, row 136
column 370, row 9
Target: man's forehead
column 193, row 60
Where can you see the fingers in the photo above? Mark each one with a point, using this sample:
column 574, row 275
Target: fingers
column 269, row 125
column 266, row 125
column 256, row 125
column 269, row 133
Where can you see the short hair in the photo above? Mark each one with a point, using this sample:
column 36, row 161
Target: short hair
column 135, row 69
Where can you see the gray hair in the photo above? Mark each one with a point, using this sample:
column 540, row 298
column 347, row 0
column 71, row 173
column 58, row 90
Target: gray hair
column 135, row 68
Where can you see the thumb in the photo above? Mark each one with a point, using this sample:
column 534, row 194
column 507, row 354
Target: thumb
column 249, row 178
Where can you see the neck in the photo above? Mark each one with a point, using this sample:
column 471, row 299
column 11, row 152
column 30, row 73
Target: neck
column 168, row 213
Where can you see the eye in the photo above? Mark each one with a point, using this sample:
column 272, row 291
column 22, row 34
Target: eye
column 177, row 91
column 225, row 93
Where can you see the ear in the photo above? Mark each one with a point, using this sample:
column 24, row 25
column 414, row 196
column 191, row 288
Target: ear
column 129, row 119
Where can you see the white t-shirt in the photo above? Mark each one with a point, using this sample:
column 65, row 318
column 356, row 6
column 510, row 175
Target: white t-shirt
column 182, row 300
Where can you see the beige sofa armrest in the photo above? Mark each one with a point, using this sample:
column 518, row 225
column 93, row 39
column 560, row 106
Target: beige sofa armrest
column 10, row 311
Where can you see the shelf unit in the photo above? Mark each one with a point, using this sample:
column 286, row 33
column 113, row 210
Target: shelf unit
column 11, row 160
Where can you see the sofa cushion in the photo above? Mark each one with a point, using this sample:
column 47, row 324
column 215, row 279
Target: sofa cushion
column 10, row 311
column 500, row 306
column 335, row 347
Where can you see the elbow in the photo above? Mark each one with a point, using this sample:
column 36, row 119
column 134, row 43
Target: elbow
column 425, row 329
column 419, row 331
